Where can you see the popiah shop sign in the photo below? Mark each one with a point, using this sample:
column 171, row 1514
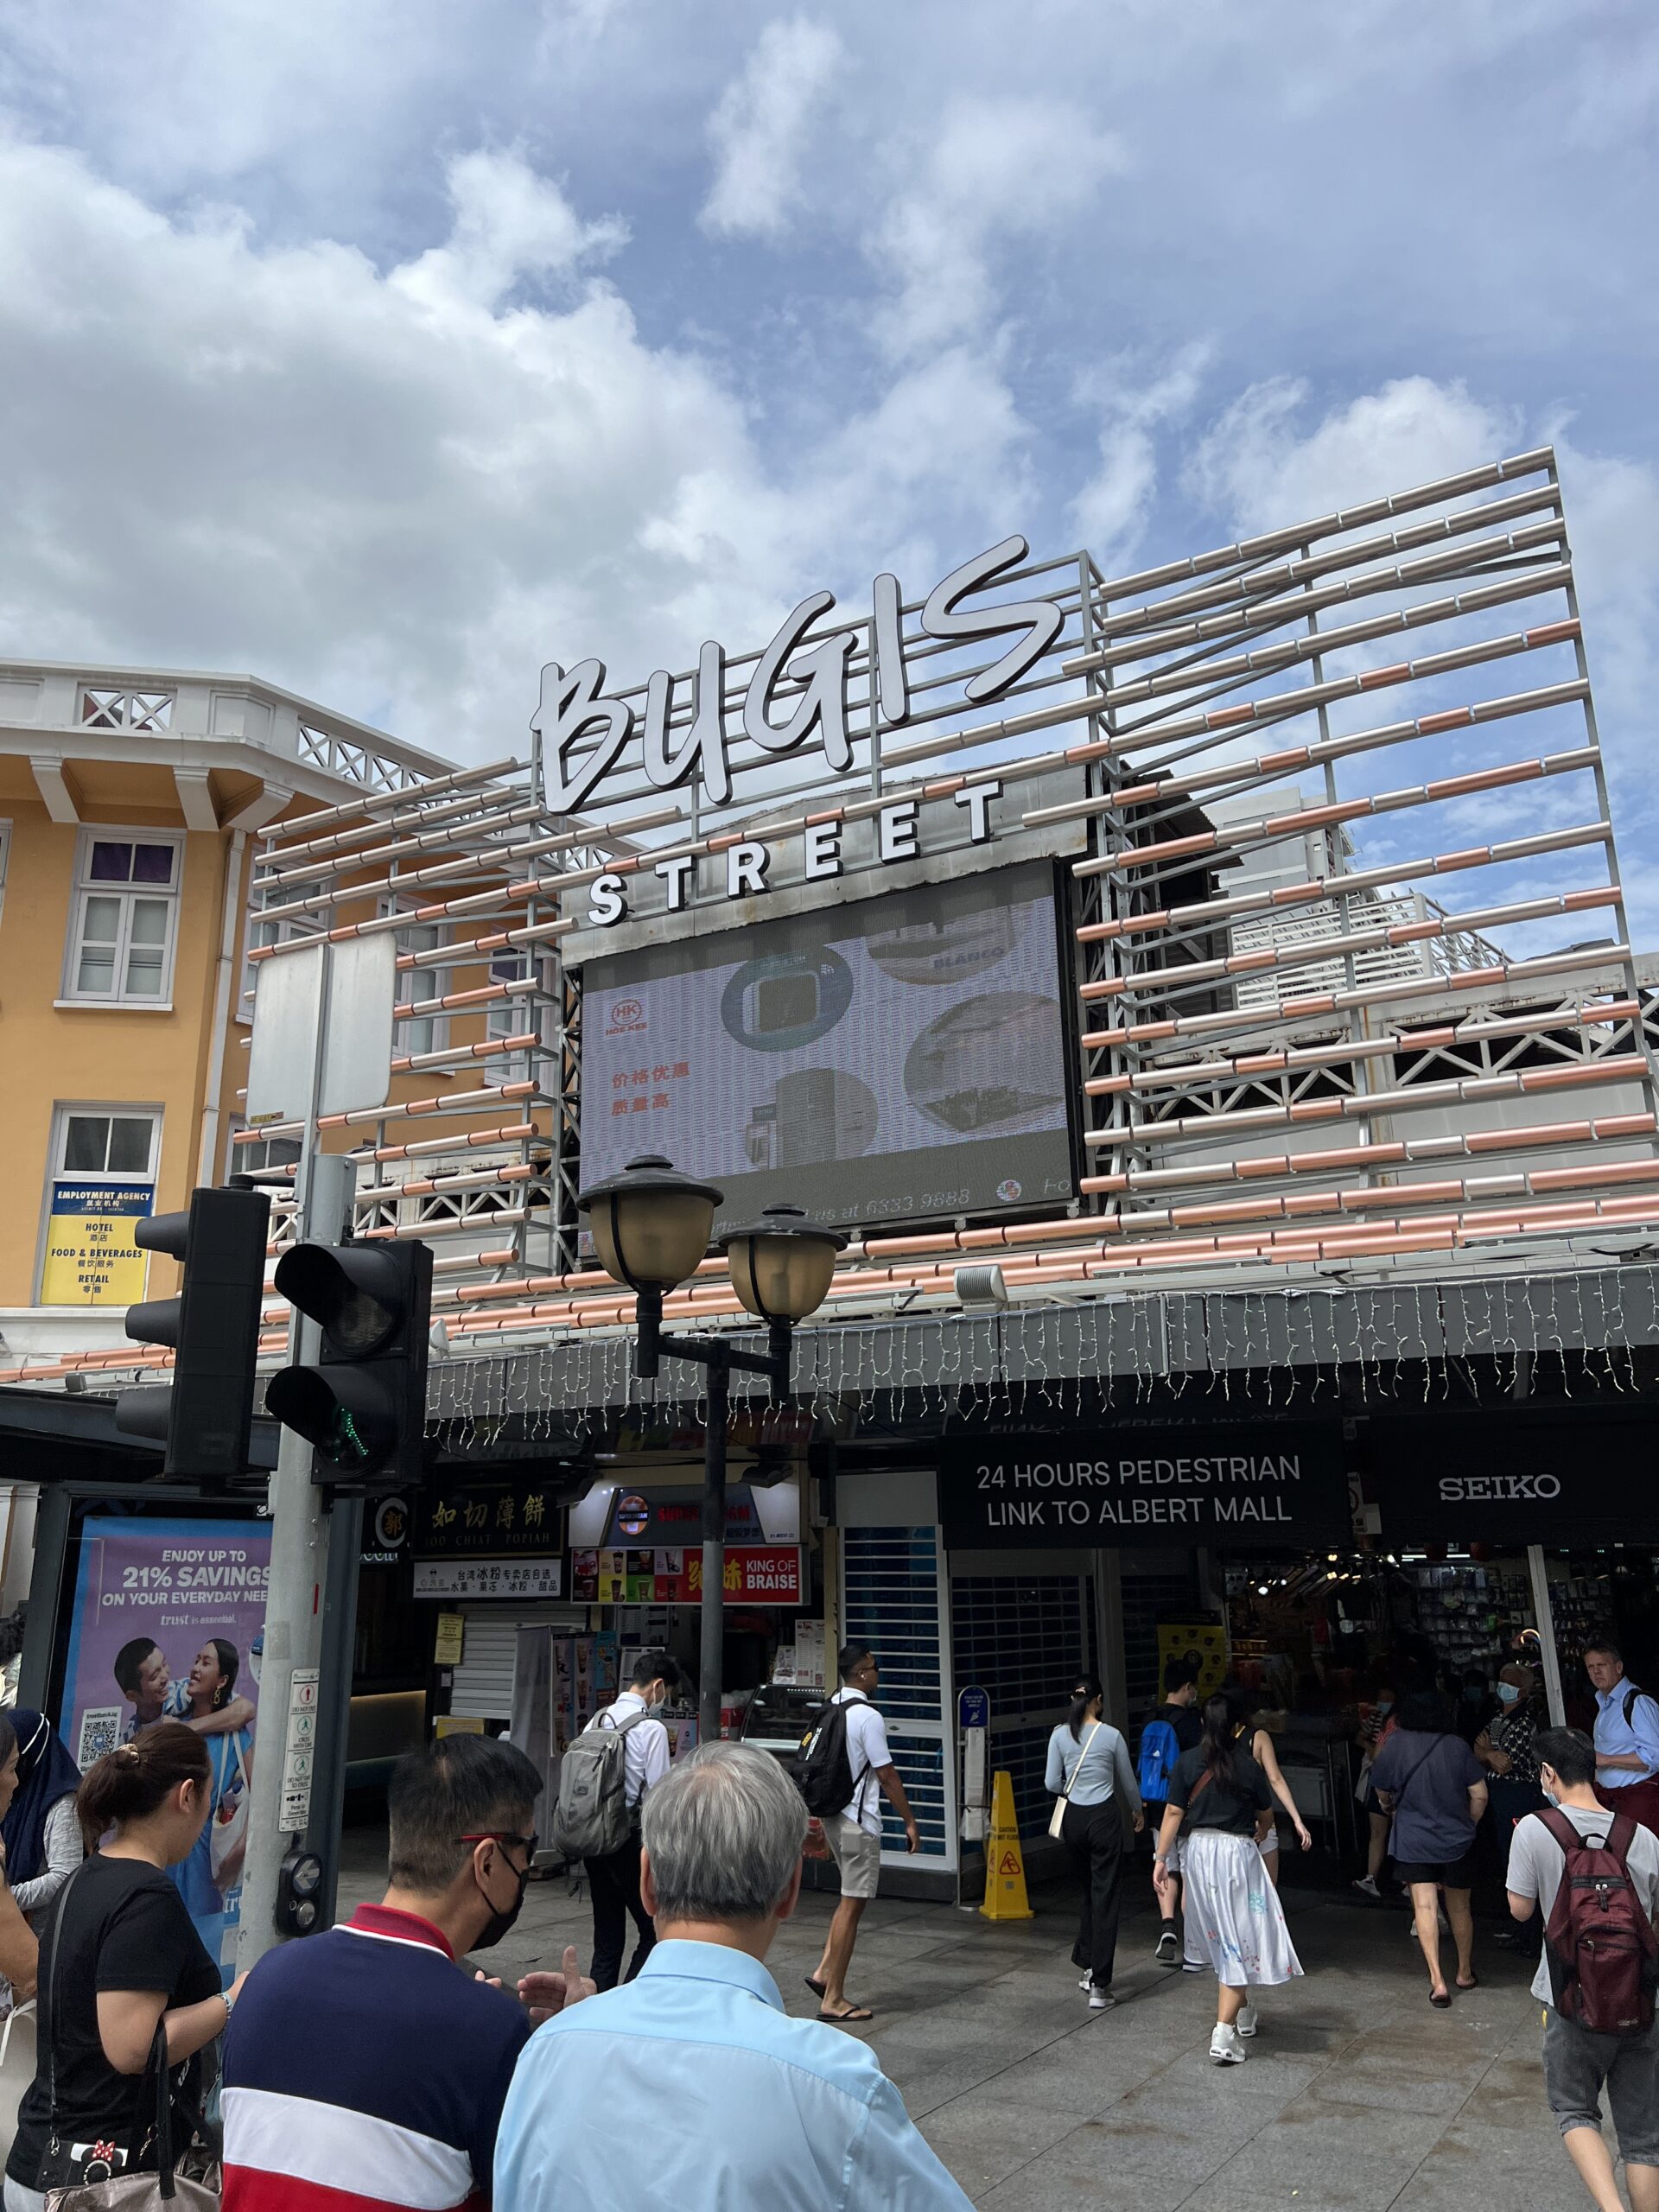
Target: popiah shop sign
column 1276, row 1487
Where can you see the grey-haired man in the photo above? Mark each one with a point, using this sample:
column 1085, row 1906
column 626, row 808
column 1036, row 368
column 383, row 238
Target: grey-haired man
column 755, row 2108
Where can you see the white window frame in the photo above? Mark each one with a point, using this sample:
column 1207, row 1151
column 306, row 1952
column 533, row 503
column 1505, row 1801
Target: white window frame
column 63, row 1112
column 422, row 982
column 103, row 833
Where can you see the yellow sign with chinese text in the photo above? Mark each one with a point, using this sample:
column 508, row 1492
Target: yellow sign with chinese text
column 450, row 1640
column 90, row 1257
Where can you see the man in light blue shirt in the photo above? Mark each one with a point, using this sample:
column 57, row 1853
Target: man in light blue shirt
column 1627, row 1735
column 746, row 2107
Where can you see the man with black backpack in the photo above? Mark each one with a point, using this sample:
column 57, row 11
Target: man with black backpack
column 846, row 1767
column 1173, row 1729
column 603, row 1778
column 1594, row 1875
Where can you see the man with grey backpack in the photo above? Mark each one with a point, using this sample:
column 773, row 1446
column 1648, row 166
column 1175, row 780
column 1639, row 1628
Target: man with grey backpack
column 603, row 1779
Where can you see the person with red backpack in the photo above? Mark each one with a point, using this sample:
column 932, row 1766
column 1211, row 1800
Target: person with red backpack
column 1594, row 1875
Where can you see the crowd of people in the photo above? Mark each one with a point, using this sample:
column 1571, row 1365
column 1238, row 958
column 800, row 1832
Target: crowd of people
column 364, row 2061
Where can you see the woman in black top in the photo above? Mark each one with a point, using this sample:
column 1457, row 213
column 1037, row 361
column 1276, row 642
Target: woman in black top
column 1219, row 1805
column 119, row 1956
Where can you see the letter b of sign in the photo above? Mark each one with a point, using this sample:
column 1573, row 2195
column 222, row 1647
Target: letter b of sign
column 571, row 707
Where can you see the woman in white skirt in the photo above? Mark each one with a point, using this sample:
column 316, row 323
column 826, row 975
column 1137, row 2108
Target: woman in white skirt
column 1219, row 1804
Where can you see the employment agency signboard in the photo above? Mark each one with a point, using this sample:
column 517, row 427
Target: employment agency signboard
column 1264, row 1487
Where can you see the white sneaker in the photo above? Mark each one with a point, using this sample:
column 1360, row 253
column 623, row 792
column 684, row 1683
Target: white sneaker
column 1225, row 2048
column 1087, row 1981
column 1100, row 2001
column 1247, row 2024
column 1367, row 1887
column 1193, row 1966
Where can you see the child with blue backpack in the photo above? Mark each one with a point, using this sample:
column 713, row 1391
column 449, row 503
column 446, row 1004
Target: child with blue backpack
column 1174, row 1727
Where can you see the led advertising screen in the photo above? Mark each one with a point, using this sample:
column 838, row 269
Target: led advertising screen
column 883, row 1061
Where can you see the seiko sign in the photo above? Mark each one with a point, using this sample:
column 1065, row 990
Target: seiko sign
column 1490, row 1490
column 797, row 696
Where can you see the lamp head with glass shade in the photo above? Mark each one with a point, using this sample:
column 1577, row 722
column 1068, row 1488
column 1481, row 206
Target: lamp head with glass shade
column 783, row 1264
column 650, row 1224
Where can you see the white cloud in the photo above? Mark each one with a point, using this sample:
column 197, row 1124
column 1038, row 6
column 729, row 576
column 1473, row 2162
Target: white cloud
column 1110, row 512
column 401, row 493
column 760, row 129
column 997, row 171
column 1258, row 464
column 510, row 224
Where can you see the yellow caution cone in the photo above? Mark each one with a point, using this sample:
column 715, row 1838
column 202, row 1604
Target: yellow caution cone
column 1005, row 1865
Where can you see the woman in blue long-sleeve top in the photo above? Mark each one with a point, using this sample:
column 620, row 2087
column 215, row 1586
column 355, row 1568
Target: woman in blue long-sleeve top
column 1088, row 1766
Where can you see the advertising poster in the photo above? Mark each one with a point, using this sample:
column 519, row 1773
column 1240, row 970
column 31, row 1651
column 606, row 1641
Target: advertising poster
column 167, row 1625
column 91, row 1258
column 898, row 1057
column 1203, row 1641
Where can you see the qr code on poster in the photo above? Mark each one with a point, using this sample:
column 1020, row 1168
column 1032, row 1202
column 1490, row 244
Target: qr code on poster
column 100, row 1733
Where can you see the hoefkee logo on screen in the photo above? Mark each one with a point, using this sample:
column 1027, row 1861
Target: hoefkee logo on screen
column 584, row 732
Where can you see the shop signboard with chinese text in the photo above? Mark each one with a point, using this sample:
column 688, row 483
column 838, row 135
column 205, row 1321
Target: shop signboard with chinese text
column 490, row 1578
column 755, row 1574
column 1271, row 1486
column 488, row 1520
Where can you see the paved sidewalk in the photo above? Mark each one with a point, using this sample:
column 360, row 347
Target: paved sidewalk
column 1357, row 2092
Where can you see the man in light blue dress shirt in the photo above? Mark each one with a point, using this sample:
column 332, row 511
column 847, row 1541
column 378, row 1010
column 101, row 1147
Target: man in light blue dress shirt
column 737, row 2106
column 1627, row 1735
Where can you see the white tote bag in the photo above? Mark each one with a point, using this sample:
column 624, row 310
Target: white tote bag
column 18, row 2047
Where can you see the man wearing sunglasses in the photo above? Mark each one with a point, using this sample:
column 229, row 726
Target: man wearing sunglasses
column 367, row 2064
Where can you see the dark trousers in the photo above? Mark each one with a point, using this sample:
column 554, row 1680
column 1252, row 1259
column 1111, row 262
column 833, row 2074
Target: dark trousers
column 1510, row 1802
column 1094, row 1836
column 613, row 1885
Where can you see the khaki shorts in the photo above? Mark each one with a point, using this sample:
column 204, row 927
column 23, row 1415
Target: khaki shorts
column 856, row 1852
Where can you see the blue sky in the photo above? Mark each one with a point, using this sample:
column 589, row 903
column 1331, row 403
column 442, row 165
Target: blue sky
column 392, row 349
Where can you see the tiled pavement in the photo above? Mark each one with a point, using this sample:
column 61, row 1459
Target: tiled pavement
column 1357, row 2093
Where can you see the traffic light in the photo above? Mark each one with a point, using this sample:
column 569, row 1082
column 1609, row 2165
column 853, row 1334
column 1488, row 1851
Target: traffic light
column 363, row 1406
column 202, row 1417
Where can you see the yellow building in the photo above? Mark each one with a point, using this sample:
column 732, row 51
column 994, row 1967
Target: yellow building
column 130, row 804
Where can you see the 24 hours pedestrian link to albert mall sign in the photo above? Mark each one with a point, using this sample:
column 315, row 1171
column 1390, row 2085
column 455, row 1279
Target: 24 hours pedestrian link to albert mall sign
column 1271, row 1487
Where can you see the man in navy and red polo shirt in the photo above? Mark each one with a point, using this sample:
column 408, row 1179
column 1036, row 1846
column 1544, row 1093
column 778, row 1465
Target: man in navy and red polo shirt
column 364, row 2068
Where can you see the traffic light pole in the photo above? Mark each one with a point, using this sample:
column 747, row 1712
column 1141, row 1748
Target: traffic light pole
column 299, row 1534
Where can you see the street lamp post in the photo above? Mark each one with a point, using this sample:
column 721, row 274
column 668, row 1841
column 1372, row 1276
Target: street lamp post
column 652, row 1227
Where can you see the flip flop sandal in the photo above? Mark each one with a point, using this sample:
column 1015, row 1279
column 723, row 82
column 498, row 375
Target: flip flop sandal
column 813, row 1984
column 854, row 2013
column 1474, row 1982
column 1441, row 2000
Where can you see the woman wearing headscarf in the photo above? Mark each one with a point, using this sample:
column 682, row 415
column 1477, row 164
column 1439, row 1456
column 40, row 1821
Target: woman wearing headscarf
column 1504, row 1750
column 40, row 1834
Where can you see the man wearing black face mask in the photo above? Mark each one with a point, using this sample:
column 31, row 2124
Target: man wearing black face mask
column 368, row 2061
